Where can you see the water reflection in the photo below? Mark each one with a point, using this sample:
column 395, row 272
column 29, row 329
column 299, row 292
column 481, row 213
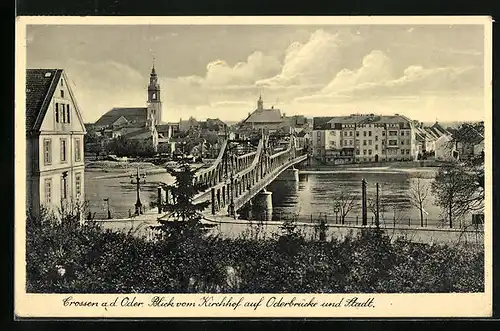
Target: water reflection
column 315, row 195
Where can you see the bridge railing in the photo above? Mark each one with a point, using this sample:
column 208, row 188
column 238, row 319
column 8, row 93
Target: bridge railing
column 203, row 174
column 269, row 177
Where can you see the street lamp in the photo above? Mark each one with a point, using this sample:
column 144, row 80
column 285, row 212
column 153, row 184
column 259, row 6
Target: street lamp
column 107, row 203
column 137, row 181
column 336, row 211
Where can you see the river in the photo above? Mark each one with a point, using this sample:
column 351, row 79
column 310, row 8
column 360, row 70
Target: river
column 309, row 198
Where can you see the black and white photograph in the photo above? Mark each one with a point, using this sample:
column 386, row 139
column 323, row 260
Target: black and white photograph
column 286, row 161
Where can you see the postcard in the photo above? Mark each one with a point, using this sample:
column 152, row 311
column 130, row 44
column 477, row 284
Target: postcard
column 224, row 167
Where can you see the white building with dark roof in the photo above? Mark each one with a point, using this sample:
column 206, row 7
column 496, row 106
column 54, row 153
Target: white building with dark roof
column 363, row 138
column 54, row 142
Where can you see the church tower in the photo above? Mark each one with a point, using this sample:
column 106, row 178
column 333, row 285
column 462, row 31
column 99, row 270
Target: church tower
column 154, row 100
column 260, row 103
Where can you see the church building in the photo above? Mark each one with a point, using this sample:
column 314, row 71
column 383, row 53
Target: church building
column 138, row 123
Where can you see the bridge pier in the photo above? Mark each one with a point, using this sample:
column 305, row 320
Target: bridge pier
column 263, row 203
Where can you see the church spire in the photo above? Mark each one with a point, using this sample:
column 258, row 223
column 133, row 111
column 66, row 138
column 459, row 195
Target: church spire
column 260, row 103
column 153, row 72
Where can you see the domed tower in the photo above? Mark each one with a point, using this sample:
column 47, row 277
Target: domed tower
column 154, row 100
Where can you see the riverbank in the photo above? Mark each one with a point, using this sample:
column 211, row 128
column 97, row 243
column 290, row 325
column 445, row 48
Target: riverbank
column 370, row 165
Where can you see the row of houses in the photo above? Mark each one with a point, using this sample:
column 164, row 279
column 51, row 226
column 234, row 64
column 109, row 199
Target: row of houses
column 379, row 138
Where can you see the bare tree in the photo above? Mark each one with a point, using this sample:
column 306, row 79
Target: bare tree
column 345, row 201
column 458, row 191
column 418, row 194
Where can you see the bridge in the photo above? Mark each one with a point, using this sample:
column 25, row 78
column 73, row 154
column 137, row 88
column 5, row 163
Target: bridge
column 238, row 177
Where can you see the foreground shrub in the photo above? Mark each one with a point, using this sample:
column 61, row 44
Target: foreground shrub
column 67, row 257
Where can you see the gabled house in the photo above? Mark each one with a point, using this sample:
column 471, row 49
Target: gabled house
column 54, row 142
column 469, row 140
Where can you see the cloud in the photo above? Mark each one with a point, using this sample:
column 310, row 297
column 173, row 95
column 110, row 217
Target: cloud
column 376, row 67
column 418, row 80
column 256, row 67
column 314, row 62
column 375, row 78
column 100, row 86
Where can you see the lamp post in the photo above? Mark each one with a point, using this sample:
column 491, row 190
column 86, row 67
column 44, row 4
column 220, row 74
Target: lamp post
column 107, row 204
column 137, row 181
column 337, row 210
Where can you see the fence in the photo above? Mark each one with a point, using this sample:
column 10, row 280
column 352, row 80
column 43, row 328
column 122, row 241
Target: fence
column 385, row 222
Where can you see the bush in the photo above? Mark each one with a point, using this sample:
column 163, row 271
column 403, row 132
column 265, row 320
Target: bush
column 64, row 256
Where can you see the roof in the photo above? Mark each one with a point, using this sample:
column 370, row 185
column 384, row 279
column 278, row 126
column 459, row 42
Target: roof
column 320, row 123
column 40, row 86
column 264, row 116
column 469, row 133
column 323, row 123
column 135, row 115
column 142, row 133
column 437, row 127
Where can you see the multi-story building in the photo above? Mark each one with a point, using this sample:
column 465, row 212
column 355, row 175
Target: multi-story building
column 364, row 138
column 54, row 142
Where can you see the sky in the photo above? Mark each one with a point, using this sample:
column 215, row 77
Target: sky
column 426, row 72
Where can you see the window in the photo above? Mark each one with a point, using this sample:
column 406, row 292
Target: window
column 364, row 142
column 154, row 96
column 78, row 150
column 402, row 133
column 393, row 133
column 370, row 133
column 357, row 133
column 350, row 133
column 364, row 133
column 376, row 138
column 369, row 152
column 383, row 133
column 57, row 112
column 357, row 142
column 62, row 82
column 333, row 133
column 393, row 142
column 62, row 93
column 364, row 151
column 350, row 142
column 319, row 135
column 47, row 151
column 67, row 113
column 64, row 187
column 48, row 190
column 63, row 113
column 63, row 149
column 383, row 142
column 78, row 184
column 402, row 142
column 369, row 142
column 345, row 142
column 357, row 152
column 376, row 147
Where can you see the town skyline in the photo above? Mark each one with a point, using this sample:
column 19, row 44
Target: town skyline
column 306, row 70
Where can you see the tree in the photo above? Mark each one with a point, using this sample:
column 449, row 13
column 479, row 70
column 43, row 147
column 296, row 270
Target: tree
column 345, row 201
column 418, row 194
column 183, row 214
column 458, row 191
